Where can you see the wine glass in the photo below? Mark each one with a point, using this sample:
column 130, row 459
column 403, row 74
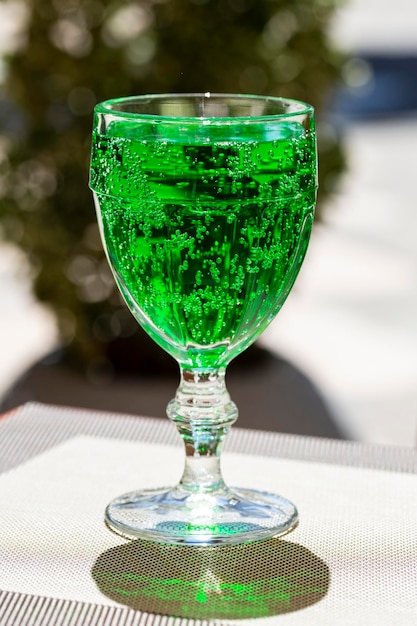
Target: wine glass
column 205, row 205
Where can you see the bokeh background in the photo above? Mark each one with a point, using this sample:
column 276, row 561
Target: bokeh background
column 348, row 330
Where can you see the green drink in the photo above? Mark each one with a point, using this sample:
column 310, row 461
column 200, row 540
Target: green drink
column 205, row 205
column 205, row 237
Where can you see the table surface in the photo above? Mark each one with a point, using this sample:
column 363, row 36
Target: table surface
column 54, row 570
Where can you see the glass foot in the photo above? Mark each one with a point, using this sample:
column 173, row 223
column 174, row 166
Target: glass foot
column 177, row 516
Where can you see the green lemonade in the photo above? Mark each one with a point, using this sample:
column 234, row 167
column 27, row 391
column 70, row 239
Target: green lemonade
column 205, row 230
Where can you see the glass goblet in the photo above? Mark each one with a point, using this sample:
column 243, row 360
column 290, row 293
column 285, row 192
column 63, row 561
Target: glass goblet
column 205, row 205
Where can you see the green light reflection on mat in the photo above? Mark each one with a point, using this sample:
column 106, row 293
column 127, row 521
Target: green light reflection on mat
column 247, row 600
column 265, row 578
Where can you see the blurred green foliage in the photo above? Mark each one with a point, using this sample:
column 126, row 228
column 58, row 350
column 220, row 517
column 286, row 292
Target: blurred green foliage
column 74, row 53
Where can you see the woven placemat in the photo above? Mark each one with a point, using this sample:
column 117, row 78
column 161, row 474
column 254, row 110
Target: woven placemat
column 352, row 560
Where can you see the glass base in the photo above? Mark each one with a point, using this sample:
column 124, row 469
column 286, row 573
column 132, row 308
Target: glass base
column 178, row 516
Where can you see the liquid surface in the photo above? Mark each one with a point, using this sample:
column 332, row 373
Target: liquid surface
column 205, row 234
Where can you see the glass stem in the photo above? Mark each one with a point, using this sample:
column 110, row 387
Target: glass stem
column 203, row 413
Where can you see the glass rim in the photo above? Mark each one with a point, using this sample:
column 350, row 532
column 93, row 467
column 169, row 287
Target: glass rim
column 107, row 107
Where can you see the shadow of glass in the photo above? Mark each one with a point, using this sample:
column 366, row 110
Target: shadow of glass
column 252, row 580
